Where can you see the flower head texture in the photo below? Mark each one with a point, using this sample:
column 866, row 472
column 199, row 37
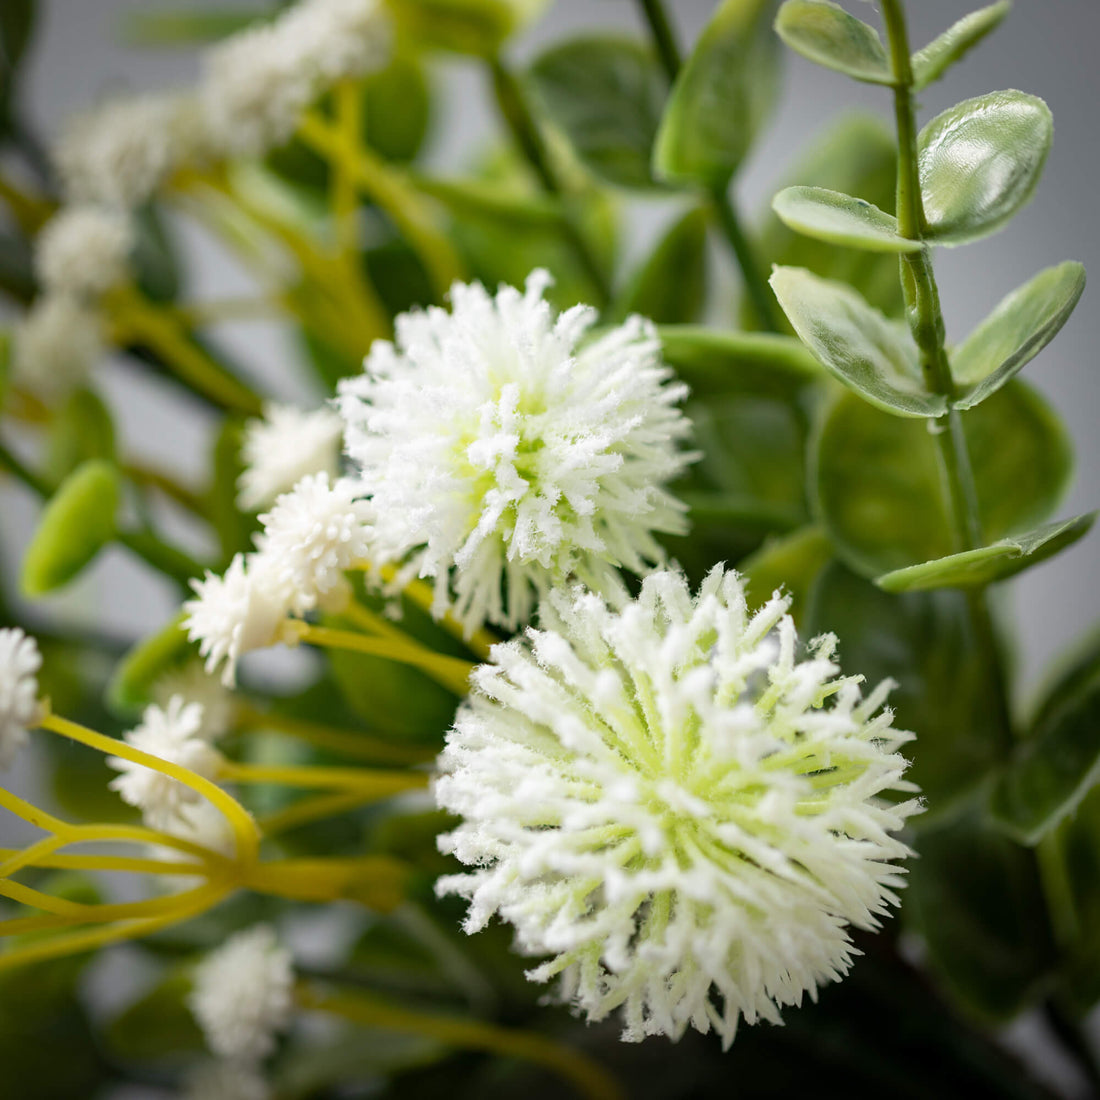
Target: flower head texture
column 56, row 345
column 171, row 734
column 226, row 1080
column 84, row 251
column 194, row 684
column 242, row 994
column 19, row 665
column 282, row 448
column 503, row 454
column 664, row 799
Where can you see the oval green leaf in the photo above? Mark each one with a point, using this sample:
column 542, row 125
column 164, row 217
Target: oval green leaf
column 606, row 95
column 959, row 39
column 76, row 524
column 476, row 27
column 82, row 429
column 827, row 35
column 1015, row 332
column 980, row 163
column 131, row 686
column 841, row 219
column 724, row 94
column 997, row 562
column 878, row 488
column 859, row 346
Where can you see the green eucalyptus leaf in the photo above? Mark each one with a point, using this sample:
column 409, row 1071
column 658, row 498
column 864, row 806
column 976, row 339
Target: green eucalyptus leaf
column 996, row 562
column 840, row 219
column 791, row 563
column 977, row 900
column 234, row 528
column 958, row 40
column 606, row 94
column 1058, row 764
column 722, row 98
column 184, row 28
column 476, row 27
column 878, row 484
column 82, row 429
column 397, row 108
column 827, row 35
column 980, row 162
column 1015, row 332
column 131, row 685
column 670, row 287
column 493, row 202
column 869, row 353
column 76, row 524
column 158, row 1024
column 155, row 260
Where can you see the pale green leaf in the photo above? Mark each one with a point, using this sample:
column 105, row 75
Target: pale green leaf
column 827, row 35
column 959, row 39
column 790, row 563
column 840, row 219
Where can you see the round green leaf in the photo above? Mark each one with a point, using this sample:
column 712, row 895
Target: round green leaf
column 933, row 61
column 477, row 27
column 997, row 562
column 724, row 94
column 863, row 349
column 826, row 34
column 82, row 429
column 841, row 219
column 76, row 524
column 1015, row 332
column 980, row 163
column 878, row 484
column 131, row 686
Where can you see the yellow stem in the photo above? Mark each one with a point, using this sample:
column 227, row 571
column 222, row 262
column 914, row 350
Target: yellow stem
column 196, row 314
column 588, row 1078
column 377, row 882
column 367, row 782
column 106, row 834
column 348, row 101
column 377, row 624
column 35, row 899
column 308, row 810
column 28, row 856
column 30, row 813
column 30, row 211
column 131, row 864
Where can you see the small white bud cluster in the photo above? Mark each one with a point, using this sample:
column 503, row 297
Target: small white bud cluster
column 20, row 661
column 83, row 251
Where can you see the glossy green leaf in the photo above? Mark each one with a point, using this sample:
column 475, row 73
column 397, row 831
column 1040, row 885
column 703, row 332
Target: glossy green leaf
column 606, row 94
column 840, row 219
column 859, row 346
column 997, row 562
column 1058, row 764
column 946, row 694
column 670, row 287
column 82, row 429
column 980, row 163
column 959, row 39
column 791, row 563
column 878, row 484
column 76, row 524
column 977, row 900
column 827, row 35
column 1015, row 332
column 184, row 28
column 478, row 27
column 131, row 685
column 722, row 98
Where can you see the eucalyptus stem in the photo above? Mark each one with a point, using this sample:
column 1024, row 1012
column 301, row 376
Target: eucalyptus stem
column 756, row 284
column 516, row 111
column 664, row 37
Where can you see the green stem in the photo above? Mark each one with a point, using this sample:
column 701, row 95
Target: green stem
column 756, row 285
column 516, row 111
column 664, row 37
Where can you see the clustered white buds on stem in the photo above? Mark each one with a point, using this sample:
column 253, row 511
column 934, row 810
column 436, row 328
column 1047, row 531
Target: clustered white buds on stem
column 20, row 661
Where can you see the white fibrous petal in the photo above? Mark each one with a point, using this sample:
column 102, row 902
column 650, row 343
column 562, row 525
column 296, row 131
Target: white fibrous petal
column 171, row 734
column 242, row 994
column 233, row 614
column 84, row 251
column 676, row 809
column 195, row 685
column 20, row 661
column 505, row 451
column 227, row 1080
column 282, row 448
column 312, row 536
column 56, row 345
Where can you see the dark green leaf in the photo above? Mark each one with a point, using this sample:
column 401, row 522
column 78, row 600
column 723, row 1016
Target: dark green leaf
column 670, row 287
column 826, row 34
column 879, row 488
column 158, row 1024
column 17, row 21
column 154, row 257
column 840, row 219
column 82, row 429
column 997, row 562
column 939, row 55
column 606, row 95
column 859, row 346
column 791, row 563
column 234, row 527
column 980, row 163
column 397, row 109
column 722, row 98
column 1015, row 332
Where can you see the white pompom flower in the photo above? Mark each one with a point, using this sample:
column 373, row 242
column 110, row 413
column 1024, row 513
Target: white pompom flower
column 172, row 734
column 194, row 684
column 56, row 345
column 312, row 536
column 282, row 448
column 84, row 251
column 672, row 805
column 20, row 661
column 505, row 454
column 242, row 994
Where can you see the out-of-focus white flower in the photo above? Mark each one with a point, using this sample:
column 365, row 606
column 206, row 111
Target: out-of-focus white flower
column 242, row 994
column 257, row 83
column 231, row 614
column 195, row 685
column 504, row 454
column 120, row 152
column 172, row 735
column 199, row 822
column 56, row 345
column 672, row 805
column 84, row 251
column 313, row 535
column 19, row 665
column 282, row 448
column 225, row 1080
